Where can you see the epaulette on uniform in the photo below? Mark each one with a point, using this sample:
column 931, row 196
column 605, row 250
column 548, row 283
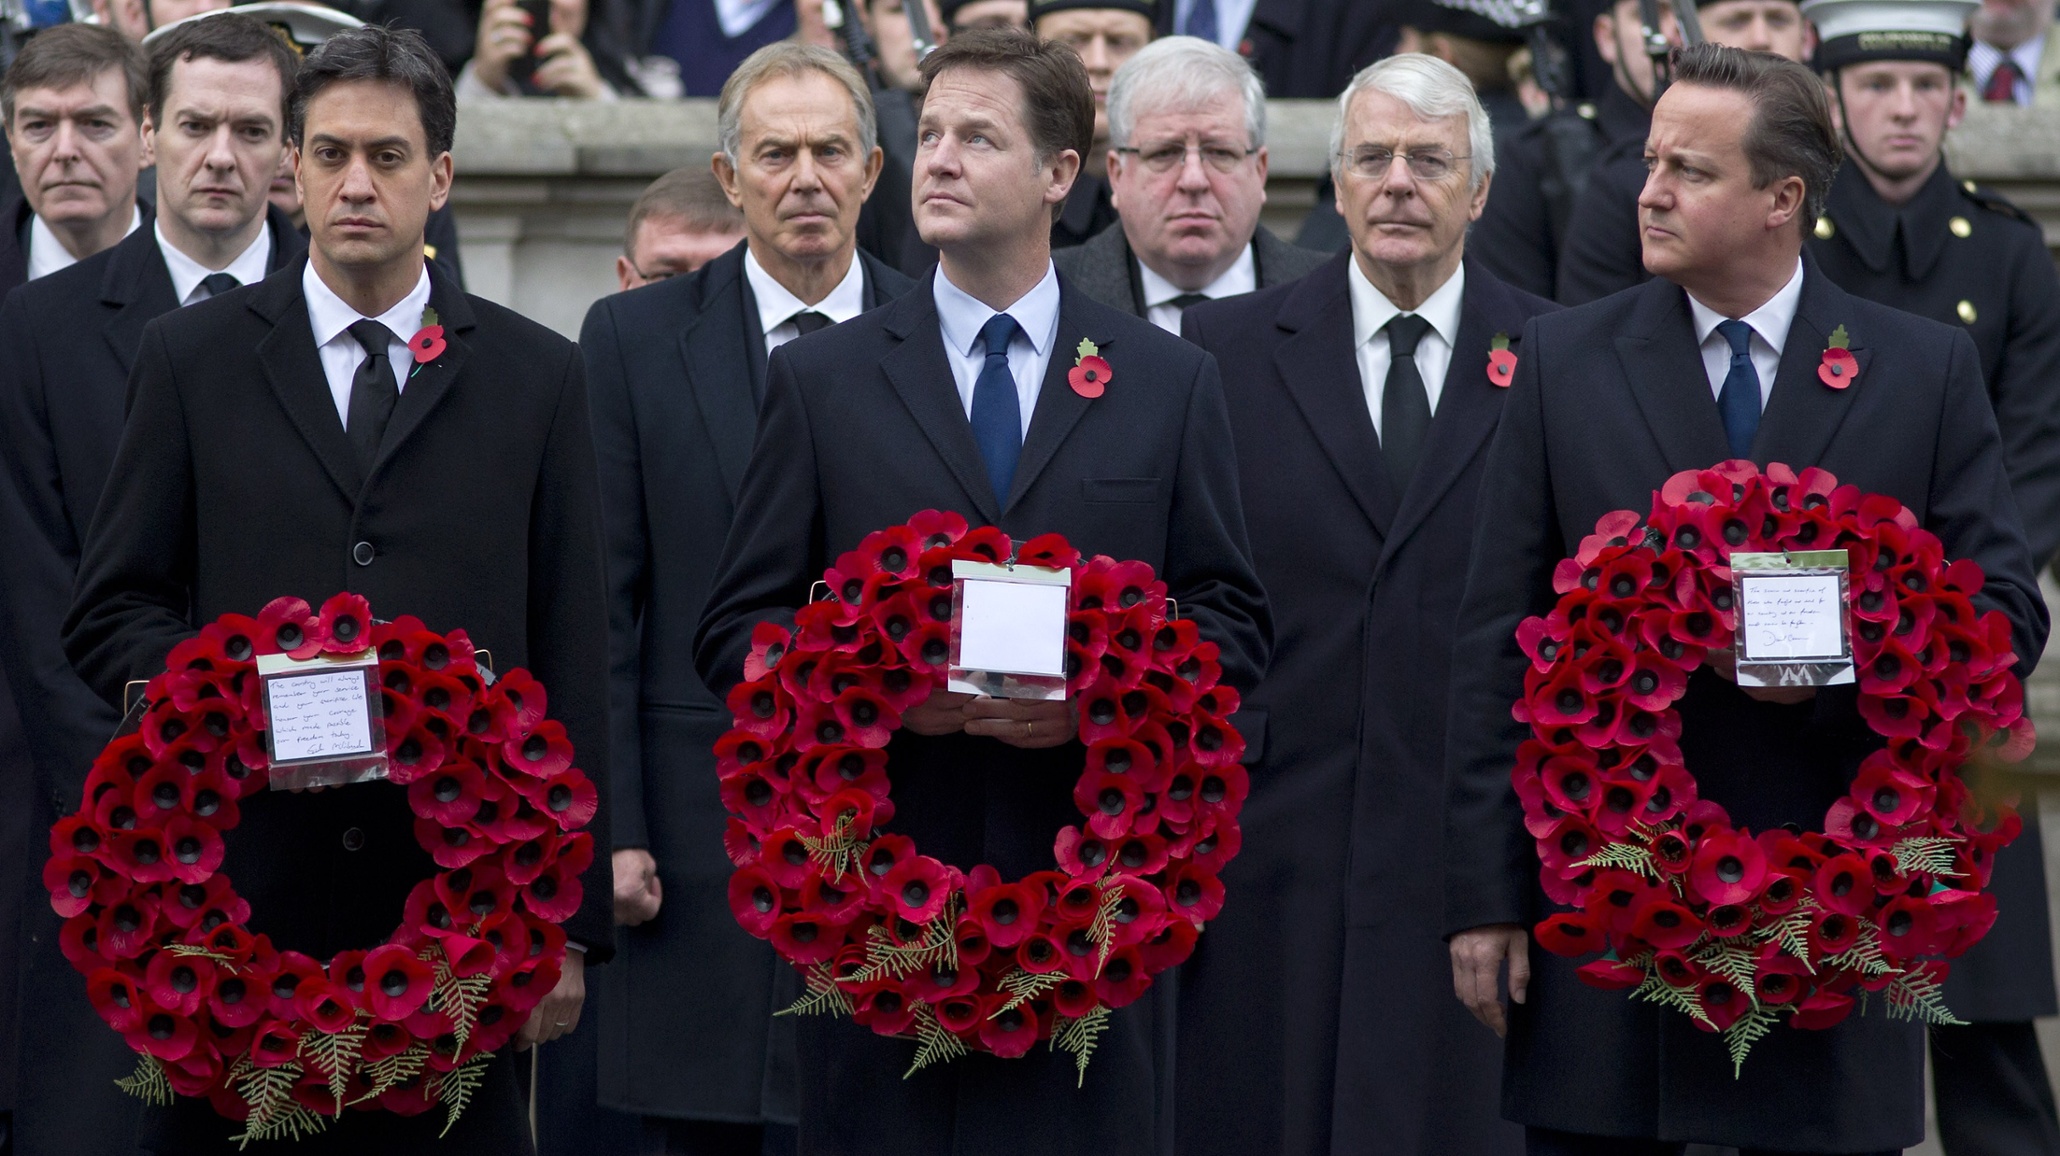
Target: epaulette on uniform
column 1995, row 202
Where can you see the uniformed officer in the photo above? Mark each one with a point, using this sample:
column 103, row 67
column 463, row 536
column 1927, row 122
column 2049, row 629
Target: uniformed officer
column 1901, row 231
column 1541, row 173
column 1602, row 249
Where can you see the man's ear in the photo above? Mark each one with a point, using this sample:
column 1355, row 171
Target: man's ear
column 1789, row 196
column 726, row 176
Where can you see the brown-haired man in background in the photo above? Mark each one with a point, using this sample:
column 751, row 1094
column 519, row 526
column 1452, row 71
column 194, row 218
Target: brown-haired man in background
column 955, row 397
column 679, row 223
column 1714, row 359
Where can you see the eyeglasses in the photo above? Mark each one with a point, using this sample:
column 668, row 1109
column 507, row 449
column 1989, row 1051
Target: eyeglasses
column 660, row 275
column 1424, row 164
column 1164, row 158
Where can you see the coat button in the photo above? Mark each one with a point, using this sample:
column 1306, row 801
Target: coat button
column 1960, row 227
column 362, row 553
column 353, row 840
column 1967, row 312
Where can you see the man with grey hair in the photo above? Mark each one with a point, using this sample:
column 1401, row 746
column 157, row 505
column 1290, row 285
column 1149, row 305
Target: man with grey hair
column 1187, row 173
column 676, row 370
column 1363, row 398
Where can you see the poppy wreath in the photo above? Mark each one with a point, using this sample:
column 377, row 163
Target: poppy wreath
column 966, row 961
column 1737, row 930
column 273, row 1038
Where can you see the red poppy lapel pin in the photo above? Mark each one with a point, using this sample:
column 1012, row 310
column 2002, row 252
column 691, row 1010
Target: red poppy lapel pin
column 1501, row 361
column 1840, row 367
column 428, row 344
column 1090, row 374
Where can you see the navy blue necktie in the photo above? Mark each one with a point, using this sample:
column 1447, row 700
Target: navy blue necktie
column 997, row 415
column 1201, row 20
column 1739, row 400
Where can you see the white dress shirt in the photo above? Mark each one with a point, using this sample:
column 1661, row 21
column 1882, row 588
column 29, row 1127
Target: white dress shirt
column 47, row 254
column 248, row 268
column 1769, row 324
column 777, row 307
column 1241, row 277
column 1371, row 310
column 1231, row 18
column 331, row 319
column 960, row 315
column 1983, row 59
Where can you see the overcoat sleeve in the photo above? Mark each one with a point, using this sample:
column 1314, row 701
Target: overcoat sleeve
column 131, row 603
column 1208, row 551
column 774, row 552
column 1517, row 542
column 624, row 520
column 2027, row 398
column 568, row 629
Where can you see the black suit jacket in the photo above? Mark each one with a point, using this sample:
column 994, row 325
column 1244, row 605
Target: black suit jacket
column 14, row 241
column 1309, row 49
column 70, row 339
column 862, row 426
column 674, row 374
column 1105, row 268
column 1609, row 401
column 1326, row 972
column 235, row 483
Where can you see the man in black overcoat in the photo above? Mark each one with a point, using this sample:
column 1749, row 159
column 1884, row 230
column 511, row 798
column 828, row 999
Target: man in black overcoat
column 257, row 462
column 71, row 339
column 1609, row 401
column 1187, row 163
column 1901, row 231
column 675, row 372
column 1326, row 971
column 1601, row 253
column 875, row 420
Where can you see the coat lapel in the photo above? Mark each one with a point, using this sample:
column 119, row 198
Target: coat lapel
column 1059, row 409
column 1469, row 405
column 711, row 347
column 1803, row 414
column 1665, row 374
column 139, row 286
column 922, row 378
column 294, row 371
column 428, row 382
column 1321, row 374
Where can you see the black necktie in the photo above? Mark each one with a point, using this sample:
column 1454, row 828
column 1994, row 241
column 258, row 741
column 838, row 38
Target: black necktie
column 1186, row 299
column 808, row 321
column 372, row 390
column 1405, row 406
column 217, row 284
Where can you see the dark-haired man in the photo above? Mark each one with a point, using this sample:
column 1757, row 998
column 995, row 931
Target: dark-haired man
column 73, row 109
column 282, row 440
column 683, row 364
column 1601, row 253
column 955, row 397
column 1901, row 231
column 216, row 120
column 1715, row 359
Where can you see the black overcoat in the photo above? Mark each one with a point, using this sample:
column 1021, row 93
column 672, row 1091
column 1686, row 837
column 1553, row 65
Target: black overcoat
column 14, row 241
column 862, row 427
column 235, row 483
column 1965, row 257
column 1602, row 252
column 1520, row 236
column 674, row 373
column 1326, row 973
column 1610, row 400
column 70, row 339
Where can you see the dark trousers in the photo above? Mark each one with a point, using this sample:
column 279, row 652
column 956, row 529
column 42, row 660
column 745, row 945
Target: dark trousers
column 1547, row 1142
column 1989, row 1082
column 663, row 1137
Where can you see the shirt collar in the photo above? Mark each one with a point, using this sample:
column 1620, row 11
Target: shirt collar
column 1770, row 321
column 777, row 306
column 1241, row 277
column 329, row 315
column 248, row 268
column 47, row 254
column 960, row 314
column 1371, row 309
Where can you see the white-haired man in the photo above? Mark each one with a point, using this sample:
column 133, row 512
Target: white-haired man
column 1363, row 401
column 676, row 372
column 1187, row 173
column 2008, row 61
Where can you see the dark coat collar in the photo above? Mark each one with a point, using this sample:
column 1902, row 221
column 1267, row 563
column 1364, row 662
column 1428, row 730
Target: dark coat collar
column 1870, row 224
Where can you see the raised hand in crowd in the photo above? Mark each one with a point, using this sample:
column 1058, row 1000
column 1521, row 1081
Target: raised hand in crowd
column 507, row 37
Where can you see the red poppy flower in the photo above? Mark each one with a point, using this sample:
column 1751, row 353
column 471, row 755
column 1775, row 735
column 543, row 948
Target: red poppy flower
column 1721, row 1001
column 179, row 983
column 1839, row 368
column 543, row 751
column 345, row 624
column 1501, row 367
column 1847, row 823
column 1663, row 922
column 1909, row 928
column 883, row 1007
column 1089, row 377
column 1008, row 1033
column 142, row 855
column 79, row 939
column 1890, row 795
column 237, row 1000
column 76, row 882
column 556, row 894
column 1007, row 914
column 163, row 1034
column 427, row 344
column 1083, row 856
column 1123, row 978
column 1729, row 868
column 1570, row 934
column 284, row 626
column 569, row 799
column 194, row 848
column 1193, row 894
column 212, row 906
column 116, row 998
column 1821, row 1009
column 1833, row 932
column 804, row 937
column 919, row 887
